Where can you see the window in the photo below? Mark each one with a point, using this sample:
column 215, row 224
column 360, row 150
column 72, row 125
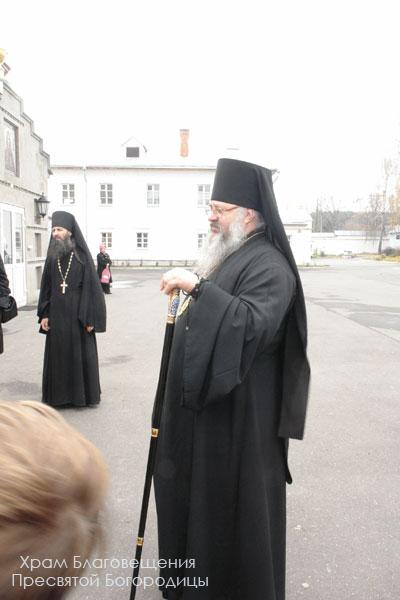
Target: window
column 38, row 244
column 106, row 194
column 11, row 148
column 38, row 271
column 19, row 241
column 397, row 236
column 201, row 238
column 68, row 193
column 6, row 238
column 203, row 194
column 132, row 152
column 153, row 194
column 142, row 239
column 106, row 238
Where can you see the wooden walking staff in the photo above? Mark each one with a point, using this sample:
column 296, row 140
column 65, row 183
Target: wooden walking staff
column 157, row 413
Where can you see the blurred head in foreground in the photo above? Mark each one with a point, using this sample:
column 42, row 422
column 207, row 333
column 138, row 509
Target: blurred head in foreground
column 52, row 490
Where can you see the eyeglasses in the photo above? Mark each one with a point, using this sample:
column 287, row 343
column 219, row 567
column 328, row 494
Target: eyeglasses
column 218, row 210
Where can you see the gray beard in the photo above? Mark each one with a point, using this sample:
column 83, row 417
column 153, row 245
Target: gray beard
column 60, row 248
column 218, row 247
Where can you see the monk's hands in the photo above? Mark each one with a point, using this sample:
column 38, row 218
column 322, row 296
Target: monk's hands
column 178, row 278
column 44, row 324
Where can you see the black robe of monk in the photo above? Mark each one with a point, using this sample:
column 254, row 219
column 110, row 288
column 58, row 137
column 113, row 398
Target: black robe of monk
column 4, row 294
column 70, row 369
column 221, row 468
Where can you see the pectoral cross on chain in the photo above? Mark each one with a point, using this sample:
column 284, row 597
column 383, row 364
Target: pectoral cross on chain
column 64, row 285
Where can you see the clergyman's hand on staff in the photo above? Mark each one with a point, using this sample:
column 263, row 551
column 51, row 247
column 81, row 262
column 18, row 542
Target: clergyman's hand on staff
column 178, row 278
column 44, row 324
column 89, row 328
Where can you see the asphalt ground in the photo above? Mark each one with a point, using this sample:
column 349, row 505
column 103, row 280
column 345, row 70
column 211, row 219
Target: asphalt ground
column 343, row 507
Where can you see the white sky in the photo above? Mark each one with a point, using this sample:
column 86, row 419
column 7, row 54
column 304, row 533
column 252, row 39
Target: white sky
column 311, row 87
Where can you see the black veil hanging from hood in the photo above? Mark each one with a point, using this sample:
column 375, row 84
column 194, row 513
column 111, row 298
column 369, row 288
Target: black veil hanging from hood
column 92, row 307
column 249, row 185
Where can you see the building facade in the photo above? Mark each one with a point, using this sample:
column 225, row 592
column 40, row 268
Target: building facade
column 24, row 171
column 298, row 228
column 149, row 212
column 142, row 214
column 394, row 239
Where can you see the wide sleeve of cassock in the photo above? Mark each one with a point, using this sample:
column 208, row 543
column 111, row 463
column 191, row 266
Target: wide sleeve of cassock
column 45, row 293
column 92, row 307
column 225, row 332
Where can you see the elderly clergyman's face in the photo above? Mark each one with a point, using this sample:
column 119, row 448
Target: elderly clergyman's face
column 227, row 233
column 221, row 216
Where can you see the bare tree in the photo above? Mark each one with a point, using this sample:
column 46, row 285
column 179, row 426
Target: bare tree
column 379, row 203
column 327, row 215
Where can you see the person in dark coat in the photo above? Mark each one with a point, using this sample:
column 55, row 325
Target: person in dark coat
column 236, row 391
column 4, row 297
column 71, row 311
column 103, row 261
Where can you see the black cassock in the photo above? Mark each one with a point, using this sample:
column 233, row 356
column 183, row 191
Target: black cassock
column 221, row 468
column 4, row 294
column 103, row 259
column 70, row 370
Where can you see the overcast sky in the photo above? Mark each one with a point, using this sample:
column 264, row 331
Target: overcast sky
column 311, row 87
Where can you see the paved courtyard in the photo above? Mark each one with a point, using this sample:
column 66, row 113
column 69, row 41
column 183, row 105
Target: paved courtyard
column 343, row 519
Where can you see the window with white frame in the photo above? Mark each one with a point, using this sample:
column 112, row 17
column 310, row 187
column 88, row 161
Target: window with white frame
column 106, row 238
column 201, row 238
column 106, row 194
column 142, row 239
column 68, row 193
column 19, row 238
column 153, row 194
column 203, row 194
column 11, row 148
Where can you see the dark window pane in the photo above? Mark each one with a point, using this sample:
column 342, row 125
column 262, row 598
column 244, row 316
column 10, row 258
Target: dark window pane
column 132, row 152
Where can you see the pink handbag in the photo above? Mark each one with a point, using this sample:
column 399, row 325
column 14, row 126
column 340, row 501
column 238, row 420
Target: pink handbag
column 105, row 276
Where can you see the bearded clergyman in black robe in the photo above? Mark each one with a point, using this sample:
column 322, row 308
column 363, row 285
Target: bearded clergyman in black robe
column 236, row 392
column 71, row 311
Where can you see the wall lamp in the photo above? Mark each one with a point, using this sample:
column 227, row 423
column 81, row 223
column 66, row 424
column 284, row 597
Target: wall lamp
column 42, row 206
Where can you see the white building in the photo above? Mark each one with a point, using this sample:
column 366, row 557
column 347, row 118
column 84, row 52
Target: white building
column 147, row 210
column 394, row 239
column 142, row 213
column 346, row 242
column 298, row 227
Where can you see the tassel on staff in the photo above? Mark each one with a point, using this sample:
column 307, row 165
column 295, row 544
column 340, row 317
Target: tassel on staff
column 157, row 413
